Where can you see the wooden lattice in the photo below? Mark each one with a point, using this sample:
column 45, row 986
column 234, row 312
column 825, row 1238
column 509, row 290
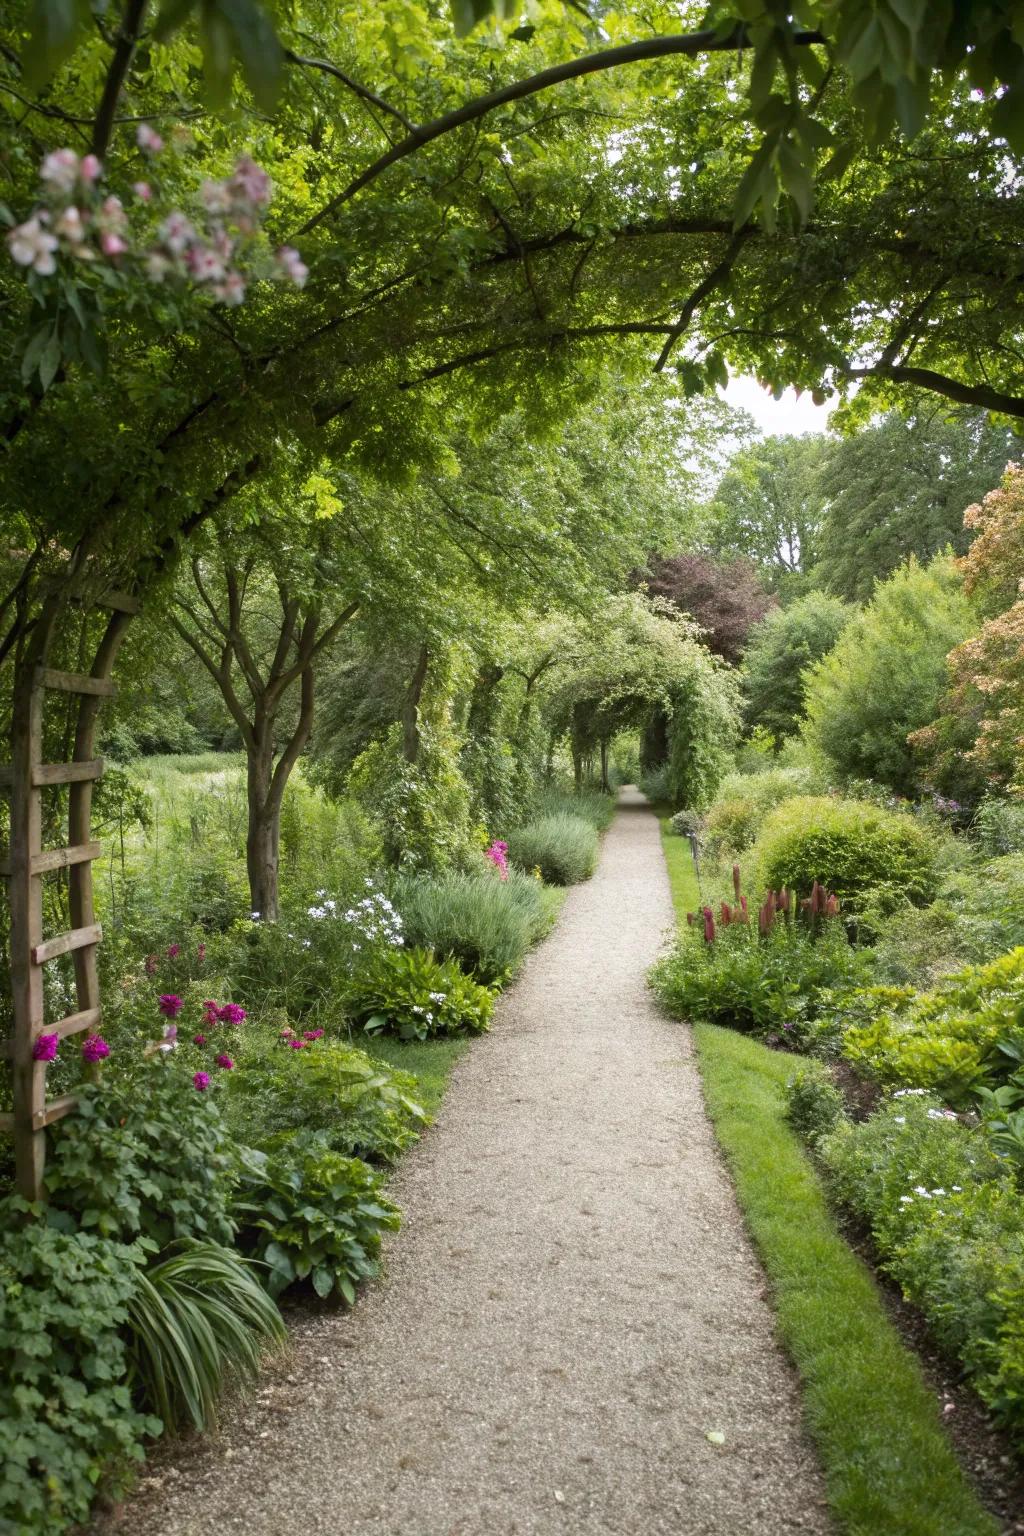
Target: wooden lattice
column 27, row 862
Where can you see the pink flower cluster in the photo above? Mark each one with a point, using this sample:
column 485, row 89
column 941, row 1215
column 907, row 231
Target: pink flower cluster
column 74, row 220
column 498, row 855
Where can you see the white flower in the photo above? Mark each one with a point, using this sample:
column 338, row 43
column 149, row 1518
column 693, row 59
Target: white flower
column 157, row 268
column 69, row 225
column 925, row 1194
column 957, row 1189
column 33, row 246
column 906, row 1199
column 292, row 265
column 148, row 139
column 176, row 233
column 900, row 1119
column 216, row 196
column 938, row 1191
column 60, row 170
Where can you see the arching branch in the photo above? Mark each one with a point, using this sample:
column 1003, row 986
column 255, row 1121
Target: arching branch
column 980, row 395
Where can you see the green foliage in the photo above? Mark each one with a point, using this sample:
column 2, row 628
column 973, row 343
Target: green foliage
column 422, row 809
column 947, row 1039
column 66, row 1413
column 702, row 735
column 886, row 674
column 946, row 1220
column 591, row 805
column 409, row 993
column 563, row 847
column 998, row 826
column 814, row 1105
column 745, row 799
column 198, row 1317
column 148, row 1156
column 767, row 506
column 485, row 923
column 780, row 985
column 779, row 652
column 308, row 1213
column 866, row 855
column 358, row 1105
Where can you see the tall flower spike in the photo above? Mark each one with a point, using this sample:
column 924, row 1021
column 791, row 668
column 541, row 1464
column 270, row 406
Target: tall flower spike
column 736, row 880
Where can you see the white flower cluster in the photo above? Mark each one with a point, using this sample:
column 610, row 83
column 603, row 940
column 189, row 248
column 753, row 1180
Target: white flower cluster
column 373, row 919
column 910, row 1093
column 929, row 1194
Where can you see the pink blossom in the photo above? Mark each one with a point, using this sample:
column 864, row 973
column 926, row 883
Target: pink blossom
column 198, row 1039
column 143, row 191
column 216, row 196
column 60, row 169
column 170, row 1004
column 231, row 290
column 312, row 1034
column 204, row 264
column 90, row 169
column 148, row 139
column 173, row 951
column 95, row 1049
column 297, row 1045
column 231, row 1013
column 177, row 233
column 251, row 184
column 44, row 1047
column 292, row 265
column 201, row 1081
column 224, row 1061
column 33, row 246
column 111, row 244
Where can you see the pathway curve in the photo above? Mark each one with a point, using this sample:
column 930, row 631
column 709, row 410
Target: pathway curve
column 571, row 1306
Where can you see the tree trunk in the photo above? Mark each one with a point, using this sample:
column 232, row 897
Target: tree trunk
column 604, row 767
column 411, row 708
column 263, row 835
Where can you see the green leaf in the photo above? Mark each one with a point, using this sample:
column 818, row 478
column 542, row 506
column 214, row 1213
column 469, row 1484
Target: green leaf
column 323, row 1280
column 258, row 49
column 54, row 27
column 172, row 15
column 50, row 361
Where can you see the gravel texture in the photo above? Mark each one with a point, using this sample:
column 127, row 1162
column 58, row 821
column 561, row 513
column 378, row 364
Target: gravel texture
column 571, row 1308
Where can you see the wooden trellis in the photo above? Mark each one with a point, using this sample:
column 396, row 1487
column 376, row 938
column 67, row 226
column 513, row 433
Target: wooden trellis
column 26, row 777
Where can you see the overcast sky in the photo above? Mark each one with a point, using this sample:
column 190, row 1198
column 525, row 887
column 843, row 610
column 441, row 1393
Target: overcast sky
column 777, row 416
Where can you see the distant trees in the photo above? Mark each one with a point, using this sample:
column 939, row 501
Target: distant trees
column 767, row 507
column 779, row 652
column 885, row 676
column 726, row 598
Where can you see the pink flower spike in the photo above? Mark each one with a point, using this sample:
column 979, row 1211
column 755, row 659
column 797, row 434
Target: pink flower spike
column 173, row 951
column 201, row 953
column 44, row 1047
column 90, row 169
column 225, row 1062
column 198, row 1039
column 297, row 1045
column 95, row 1049
column 201, row 1082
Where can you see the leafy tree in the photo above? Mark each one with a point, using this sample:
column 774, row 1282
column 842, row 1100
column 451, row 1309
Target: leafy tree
column 978, row 740
column 767, row 507
column 779, row 652
column 885, row 676
column 899, row 488
column 726, row 599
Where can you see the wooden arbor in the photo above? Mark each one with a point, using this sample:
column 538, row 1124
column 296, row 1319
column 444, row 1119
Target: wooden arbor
column 26, row 777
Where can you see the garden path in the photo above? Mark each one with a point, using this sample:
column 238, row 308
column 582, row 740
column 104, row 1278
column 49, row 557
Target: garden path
column 572, row 1305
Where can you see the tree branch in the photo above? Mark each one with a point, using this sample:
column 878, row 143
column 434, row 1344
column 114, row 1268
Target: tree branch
column 124, row 50
column 363, row 92
column 289, row 757
column 700, row 293
column 687, row 44
column 980, row 395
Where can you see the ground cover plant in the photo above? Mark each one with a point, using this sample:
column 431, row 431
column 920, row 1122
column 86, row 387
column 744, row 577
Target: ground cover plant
column 874, row 1421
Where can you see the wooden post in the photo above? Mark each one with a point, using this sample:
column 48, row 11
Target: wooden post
column 25, row 891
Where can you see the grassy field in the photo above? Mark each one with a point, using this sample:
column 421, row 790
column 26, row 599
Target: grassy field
column 889, row 1467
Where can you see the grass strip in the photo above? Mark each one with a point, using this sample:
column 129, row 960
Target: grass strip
column 889, row 1466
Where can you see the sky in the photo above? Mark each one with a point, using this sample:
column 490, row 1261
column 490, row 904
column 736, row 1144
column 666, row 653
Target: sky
column 777, row 416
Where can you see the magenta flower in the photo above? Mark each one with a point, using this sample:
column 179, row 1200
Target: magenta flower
column 95, row 1049
column 297, row 1045
column 170, row 1004
column 201, row 1082
column 198, row 1039
column 44, row 1047
column 210, row 1011
column 231, row 1013
column 313, row 1034
column 225, row 1062
column 173, row 951
column 498, row 855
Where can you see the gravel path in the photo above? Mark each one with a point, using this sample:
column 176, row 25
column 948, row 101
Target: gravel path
column 572, row 1306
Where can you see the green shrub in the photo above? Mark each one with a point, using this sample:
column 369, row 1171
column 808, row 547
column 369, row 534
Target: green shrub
column 814, row 1105
column 485, row 923
column 149, row 1156
column 998, row 826
column 732, row 824
column 308, row 1213
column 688, row 823
column 779, row 985
column 562, row 847
column 408, row 993
column 66, row 1413
column 197, row 1318
column 946, row 1039
column 871, row 858
column 946, row 1219
column 360, row 1106
column 656, row 784
column 778, row 653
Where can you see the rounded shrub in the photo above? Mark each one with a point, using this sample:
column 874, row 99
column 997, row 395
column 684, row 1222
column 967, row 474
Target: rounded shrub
column 870, row 857
column 563, row 848
column 484, row 923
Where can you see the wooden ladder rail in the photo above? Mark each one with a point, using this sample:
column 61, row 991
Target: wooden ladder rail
column 28, row 861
